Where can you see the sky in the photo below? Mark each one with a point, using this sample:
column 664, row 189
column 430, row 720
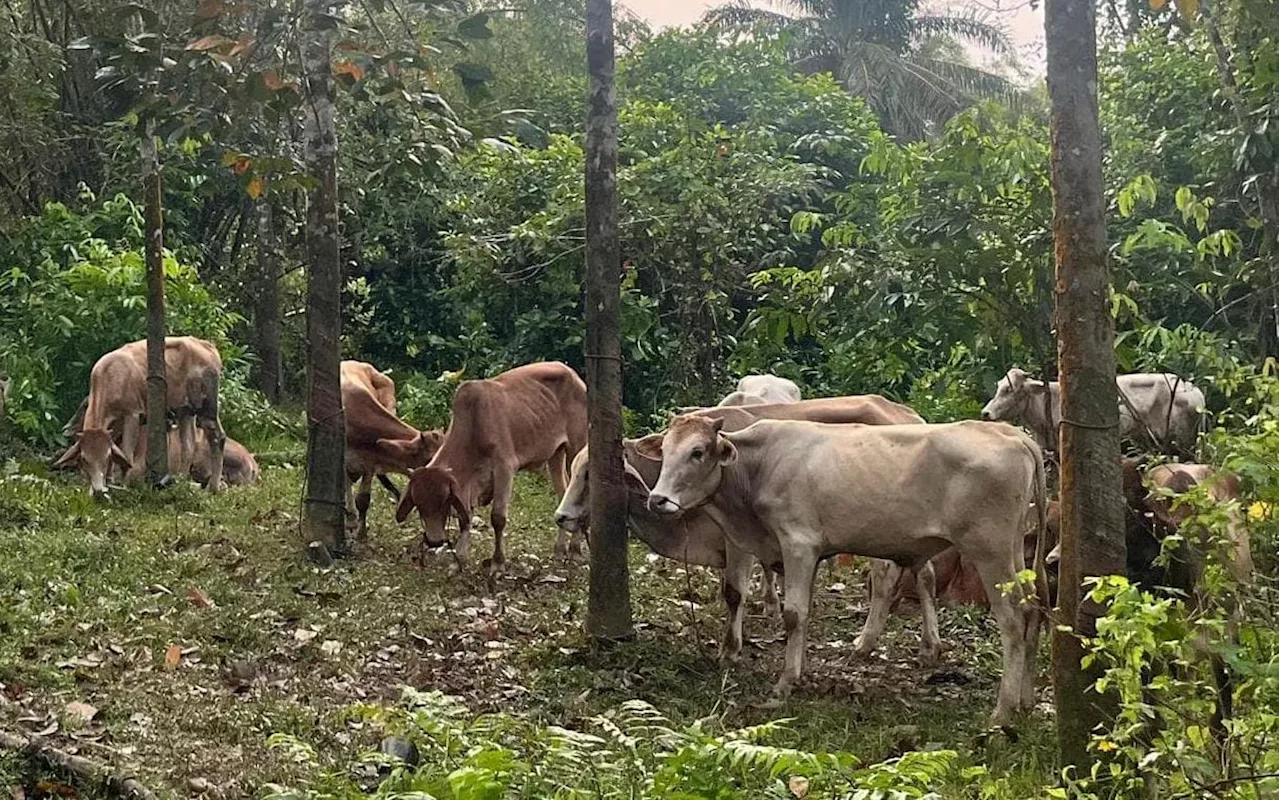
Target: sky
column 1025, row 24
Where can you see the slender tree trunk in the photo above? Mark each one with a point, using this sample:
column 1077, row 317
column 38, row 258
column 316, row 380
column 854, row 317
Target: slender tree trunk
column 325, row 513
column 609, row 593
column 157, row 386
column 266, row 314
column 1092, row 532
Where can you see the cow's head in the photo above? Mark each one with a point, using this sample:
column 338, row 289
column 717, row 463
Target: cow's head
column 1013, row 392
column 409, row 454
column 574, row 510
column 434, row 492
column 94, row 452
column 694, row 453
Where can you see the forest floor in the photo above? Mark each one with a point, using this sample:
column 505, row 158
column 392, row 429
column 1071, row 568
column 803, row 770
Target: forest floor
column 193, row 628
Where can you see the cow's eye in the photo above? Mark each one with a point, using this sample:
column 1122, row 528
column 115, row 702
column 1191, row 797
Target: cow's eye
column 697, row 454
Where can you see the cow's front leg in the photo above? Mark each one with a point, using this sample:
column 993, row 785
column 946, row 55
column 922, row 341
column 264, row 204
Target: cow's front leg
column 217, row 450
column 186, row 442
column 926, row 589
column 882, row 579
column 568, row 545
column 733, row 586
column 130, row 432
column 798, row 568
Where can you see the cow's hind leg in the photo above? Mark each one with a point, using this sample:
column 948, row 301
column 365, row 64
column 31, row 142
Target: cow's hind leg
column 502, row 480
column 734, row 582
column 798, row 567
column 769, row 588
column 882, row 578
column 998, row 570
column 926, row 589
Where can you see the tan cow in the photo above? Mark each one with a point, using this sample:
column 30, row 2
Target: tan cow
column 527, row 418
column 793, row 493
column 117, row 404
column 694, row 538
column 378, row 441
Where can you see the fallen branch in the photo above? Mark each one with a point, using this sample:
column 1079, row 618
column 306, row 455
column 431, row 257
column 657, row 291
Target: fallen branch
column 77, row 765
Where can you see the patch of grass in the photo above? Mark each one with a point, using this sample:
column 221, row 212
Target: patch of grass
column 95, row 597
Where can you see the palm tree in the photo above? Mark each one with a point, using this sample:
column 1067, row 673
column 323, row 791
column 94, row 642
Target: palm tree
column 885, row 51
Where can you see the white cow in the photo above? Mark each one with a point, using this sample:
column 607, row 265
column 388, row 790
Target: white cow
column 794, row 493
column 761, row 389
column 1168, row 407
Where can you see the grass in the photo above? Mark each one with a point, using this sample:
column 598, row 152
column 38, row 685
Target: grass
column 95, row 597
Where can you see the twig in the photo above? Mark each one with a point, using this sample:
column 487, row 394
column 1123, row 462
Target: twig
column 79, row 766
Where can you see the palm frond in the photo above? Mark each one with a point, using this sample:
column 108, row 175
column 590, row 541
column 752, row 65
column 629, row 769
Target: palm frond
column 740, row 15
column 968, row 28
column 969, row 82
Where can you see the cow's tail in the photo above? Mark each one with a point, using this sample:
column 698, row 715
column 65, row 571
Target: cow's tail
column 1040, row 491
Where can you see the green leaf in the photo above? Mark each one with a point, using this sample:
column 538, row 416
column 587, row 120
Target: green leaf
column 475, row 27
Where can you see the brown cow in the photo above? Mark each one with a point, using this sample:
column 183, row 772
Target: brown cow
column 378, row 441
column 117, row 405
column 524, row 419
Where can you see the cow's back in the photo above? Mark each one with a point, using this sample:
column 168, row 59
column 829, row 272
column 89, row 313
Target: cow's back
column 869, row 409
column 522, row 415
column 903, row 490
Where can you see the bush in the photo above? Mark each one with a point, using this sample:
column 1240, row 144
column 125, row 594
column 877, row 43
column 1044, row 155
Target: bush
column 73, row 287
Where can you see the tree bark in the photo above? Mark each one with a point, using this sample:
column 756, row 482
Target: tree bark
column 325, row 512
column 266, row 315
column 609, row 593
column 157, row 386
column 1092, row 532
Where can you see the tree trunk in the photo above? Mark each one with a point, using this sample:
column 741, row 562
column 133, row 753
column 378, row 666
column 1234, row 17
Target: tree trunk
column 1092, row 532
column 266, row 314
column 325, row 512
column 157, row 387
column 609, row 594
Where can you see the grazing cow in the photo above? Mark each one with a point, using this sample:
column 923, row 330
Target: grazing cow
column 793, row 493
column 117, row 405
column 239, row 467
column 378, row 442
column 762, row 389
column 527, row 418
column 694, row 538
column 1164, row 406
column 1151, row 515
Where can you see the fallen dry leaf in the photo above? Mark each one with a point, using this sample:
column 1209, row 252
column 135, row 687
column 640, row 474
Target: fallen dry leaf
column 172, row 655
column 799, row 785
column 199, row 598
column 303, row 635
column 77, row 714
column 331, row 647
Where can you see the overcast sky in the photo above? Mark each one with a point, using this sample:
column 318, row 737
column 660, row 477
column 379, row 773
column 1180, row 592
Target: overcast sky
column 1025, row 25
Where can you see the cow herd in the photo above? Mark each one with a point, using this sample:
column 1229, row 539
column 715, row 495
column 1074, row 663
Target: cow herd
column 762, row 477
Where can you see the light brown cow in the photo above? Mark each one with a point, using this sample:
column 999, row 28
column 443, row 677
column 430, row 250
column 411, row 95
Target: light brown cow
column 378, row 441
column 694, row 538
column 117, row 404
column 239, row 467
column 527, row 418
column 794, row 493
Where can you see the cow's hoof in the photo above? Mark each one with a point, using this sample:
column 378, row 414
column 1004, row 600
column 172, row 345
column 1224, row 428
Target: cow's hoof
column 771, row 703
column 729, row 656
column 497, row 568
column 929, row 657
column 861, row 650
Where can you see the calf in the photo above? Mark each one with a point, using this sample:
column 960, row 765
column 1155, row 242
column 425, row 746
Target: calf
column 762, row 389
column 527, row 418
column 1163, row 410
column 239, row 467
column 117, row 405
column 378, row 442
column 793, row 493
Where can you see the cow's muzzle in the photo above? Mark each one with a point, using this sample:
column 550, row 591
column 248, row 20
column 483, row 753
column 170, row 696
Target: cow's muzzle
column 569, row 523
column 663, row 505
column 986, row 416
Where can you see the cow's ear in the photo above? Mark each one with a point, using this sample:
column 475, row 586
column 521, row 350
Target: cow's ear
column 717, row 424
column 650, row 447
column 69, row 457
column 633, row 481
column 728, row 453
column 123, row 460
column 407, row 503
column 1016, row 377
